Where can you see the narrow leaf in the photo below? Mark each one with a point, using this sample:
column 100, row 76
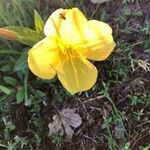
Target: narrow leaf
column 6, row 68
column 10, row 80
column 146, row 148
column 20, row 95
column 5, row 89
column 3, row 146
column 39, row 24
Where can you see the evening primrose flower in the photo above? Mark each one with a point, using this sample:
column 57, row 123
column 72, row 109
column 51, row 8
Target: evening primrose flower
column 71, row 41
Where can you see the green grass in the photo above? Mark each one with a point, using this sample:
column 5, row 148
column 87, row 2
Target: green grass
column 16, row 12
column 123, row 88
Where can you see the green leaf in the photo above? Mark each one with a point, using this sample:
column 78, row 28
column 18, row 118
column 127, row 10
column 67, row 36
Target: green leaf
column 6, row 68
column 20, row 95
column 5, row 89
column 3, row 146
column 39, row 24
column 21, row 63
column 146, row 148
column 8, row 52
column 40, row 94
column 10, row 80
column 23, row 35
column 106, row 122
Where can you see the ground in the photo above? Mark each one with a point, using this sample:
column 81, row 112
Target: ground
column 115, row 112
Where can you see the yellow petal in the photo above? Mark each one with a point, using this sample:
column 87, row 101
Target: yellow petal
column 77, row 74
column 66, row 23
column 54, row 23
column 43, row 58
column 98, row 41
column 97, row 29
column 74, row 25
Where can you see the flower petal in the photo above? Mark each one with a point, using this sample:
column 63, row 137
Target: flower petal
column 54, row 23
column 77, row 74
column 98, row 41
column 67, row 23
column 43, row 58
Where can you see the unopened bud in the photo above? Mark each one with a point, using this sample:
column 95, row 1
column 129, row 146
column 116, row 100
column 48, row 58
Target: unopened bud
column 6, row 33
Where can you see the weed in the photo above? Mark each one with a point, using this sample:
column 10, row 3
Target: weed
column 57, row 140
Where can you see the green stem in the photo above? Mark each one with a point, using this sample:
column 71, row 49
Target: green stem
column 25, row 84
column 112, row 142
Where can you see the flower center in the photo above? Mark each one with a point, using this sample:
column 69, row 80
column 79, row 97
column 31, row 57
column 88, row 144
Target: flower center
column 67, row 51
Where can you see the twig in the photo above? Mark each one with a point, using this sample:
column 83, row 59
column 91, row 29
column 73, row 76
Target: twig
column 94, row 108
column 146, row 122
column 90, row 138
column 94, row 98
column 139, row 139
column 58, row 112
column 95, row 11
column 82, row 104
column 83, row 146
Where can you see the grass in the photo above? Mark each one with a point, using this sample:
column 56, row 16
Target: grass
column 27, row 103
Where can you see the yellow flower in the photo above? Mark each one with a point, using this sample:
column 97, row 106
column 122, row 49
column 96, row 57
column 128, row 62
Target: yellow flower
column 70, row 41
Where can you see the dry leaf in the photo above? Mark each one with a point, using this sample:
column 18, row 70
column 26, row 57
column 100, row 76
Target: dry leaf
column 56, row 126
column 75, row 119
column 141, row 63
column 63, row 123
column 99, row 1
column 144, row 65
column 68, row 130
